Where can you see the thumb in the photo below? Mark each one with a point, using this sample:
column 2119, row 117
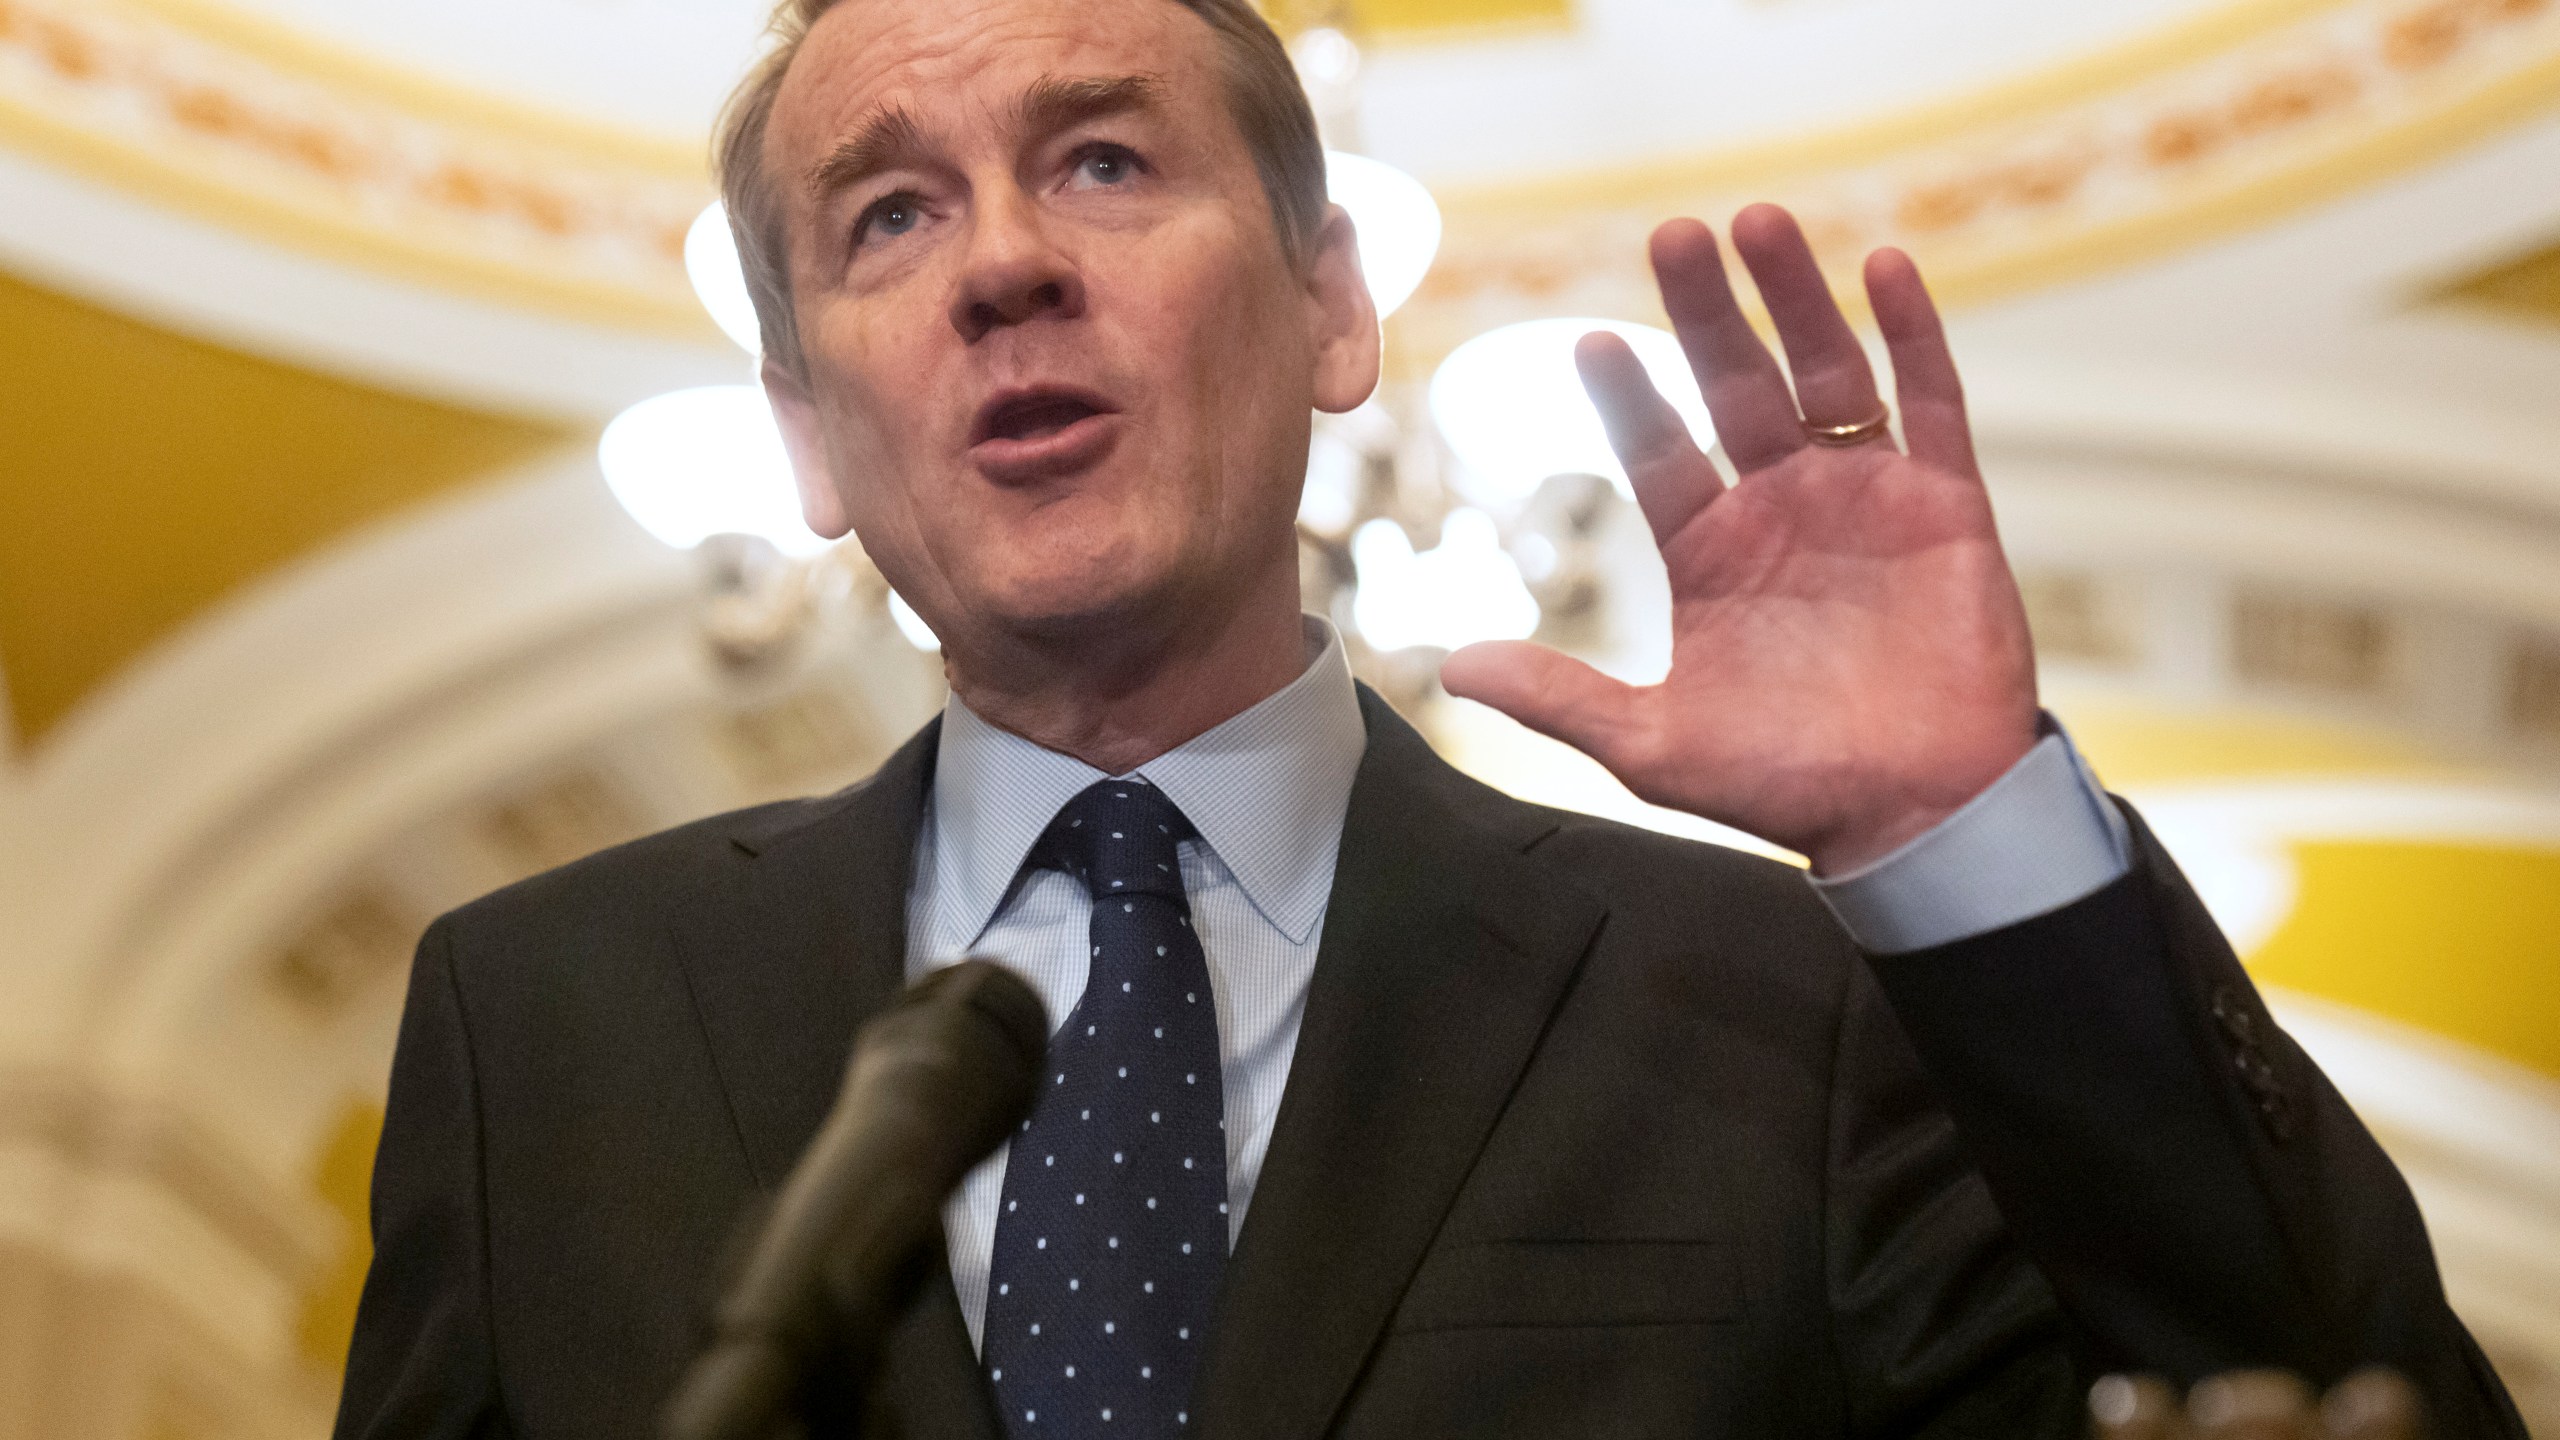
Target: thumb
column 1551, row 693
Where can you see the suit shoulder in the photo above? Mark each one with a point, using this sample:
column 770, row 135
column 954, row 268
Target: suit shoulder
column 1702, row 927
column 1602, row 853
column 637, row 880
column 1597, row 847
column 1671, row 886
column 1598, row 841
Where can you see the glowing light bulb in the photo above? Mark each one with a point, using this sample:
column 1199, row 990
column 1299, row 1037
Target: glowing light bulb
column 1464, row 590
column 1395, row 218
column 711, row 263
column 691, row 464
column 1512, row 407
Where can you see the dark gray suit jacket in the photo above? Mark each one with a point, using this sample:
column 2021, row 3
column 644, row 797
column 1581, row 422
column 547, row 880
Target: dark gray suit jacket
column 1589, row 1132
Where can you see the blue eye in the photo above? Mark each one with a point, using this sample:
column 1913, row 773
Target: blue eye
column 1107, row 165
column 890, row 215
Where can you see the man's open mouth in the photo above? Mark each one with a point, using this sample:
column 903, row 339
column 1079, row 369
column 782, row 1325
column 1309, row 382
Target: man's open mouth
column 1034, row 413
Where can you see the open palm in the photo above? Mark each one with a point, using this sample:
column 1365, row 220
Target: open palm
column 1850, row 661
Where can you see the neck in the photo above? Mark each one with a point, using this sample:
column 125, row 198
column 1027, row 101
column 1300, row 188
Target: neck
column 1119, row 702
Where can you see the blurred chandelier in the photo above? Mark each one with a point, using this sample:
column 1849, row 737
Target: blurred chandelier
column 1510, row 481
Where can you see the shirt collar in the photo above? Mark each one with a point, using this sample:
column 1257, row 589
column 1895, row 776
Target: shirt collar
column 1267, row 790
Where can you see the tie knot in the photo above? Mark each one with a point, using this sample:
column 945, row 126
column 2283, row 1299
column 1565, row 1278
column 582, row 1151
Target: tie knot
column 1119, row 837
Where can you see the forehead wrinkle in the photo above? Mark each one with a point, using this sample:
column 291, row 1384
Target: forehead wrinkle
column 1048, row 105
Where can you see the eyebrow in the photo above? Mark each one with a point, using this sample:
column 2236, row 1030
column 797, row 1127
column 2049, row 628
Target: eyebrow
column 891, row 137
column 887, row 139
column 1053, row 104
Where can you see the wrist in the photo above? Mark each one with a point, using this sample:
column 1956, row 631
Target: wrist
column 1870, row 838
column 1903, row 813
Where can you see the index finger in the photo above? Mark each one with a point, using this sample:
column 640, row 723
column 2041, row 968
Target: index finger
column 1673, row 478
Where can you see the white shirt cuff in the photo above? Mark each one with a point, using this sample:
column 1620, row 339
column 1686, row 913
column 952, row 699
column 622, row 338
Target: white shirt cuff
column 2038, row 838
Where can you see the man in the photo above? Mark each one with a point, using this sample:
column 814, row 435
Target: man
column 1381, row 1104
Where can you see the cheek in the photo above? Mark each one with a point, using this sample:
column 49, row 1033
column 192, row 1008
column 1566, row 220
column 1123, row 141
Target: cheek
column 1256, row 372
column 1235, row 348
column 883, row 402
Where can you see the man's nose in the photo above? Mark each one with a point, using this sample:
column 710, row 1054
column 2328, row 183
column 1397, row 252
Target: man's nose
column 1013, row 272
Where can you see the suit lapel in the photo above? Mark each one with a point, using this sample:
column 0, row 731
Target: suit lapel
column 802, row 943
column 1445, row 953
column 805, row 941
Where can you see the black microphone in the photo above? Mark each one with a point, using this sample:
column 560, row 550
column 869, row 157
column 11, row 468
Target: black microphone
column 935, row 1082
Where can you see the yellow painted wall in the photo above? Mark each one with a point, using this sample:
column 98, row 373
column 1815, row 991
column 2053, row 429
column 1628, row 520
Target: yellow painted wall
column 2133, row 744
column 144, row 475
column 343, row 1176
column 1432, row 18
column 2459, row 939
column 2525, row 288
column 1421, row 20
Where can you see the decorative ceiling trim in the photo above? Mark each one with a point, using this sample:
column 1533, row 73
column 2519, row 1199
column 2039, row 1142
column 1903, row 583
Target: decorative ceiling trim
column 2245, row 197
column 678, row 157
column 2194, row 136
column 2231, row 119
column 352, row 163
column 2067, row 84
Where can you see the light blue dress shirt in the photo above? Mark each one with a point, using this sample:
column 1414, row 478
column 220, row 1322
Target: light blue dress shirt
column 1267, row 790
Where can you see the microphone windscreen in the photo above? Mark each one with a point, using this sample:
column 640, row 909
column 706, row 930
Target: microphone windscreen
column 935, row 1082
column 1009, row 1001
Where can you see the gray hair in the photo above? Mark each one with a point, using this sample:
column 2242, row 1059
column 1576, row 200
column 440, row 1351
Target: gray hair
column 1263, row 94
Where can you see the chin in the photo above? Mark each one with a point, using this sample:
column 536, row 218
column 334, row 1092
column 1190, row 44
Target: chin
column 1068, row 602
column 1062, row 568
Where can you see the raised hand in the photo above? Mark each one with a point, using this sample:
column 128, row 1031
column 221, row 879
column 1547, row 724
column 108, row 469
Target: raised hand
column 1849, row 659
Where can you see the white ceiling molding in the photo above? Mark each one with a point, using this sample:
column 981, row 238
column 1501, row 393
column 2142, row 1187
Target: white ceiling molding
column 499, row 227
column 213, row 282
column 290, row 686
column 339, row 156
column 656, row 69
column 2004, row 193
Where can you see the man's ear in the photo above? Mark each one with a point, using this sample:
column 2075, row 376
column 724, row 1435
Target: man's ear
column 797, row 416
column 1346, row 319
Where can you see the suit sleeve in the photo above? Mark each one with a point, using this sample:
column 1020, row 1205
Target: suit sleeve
column 2198, row 1195
column 1942, row 1325
column 422, row 1366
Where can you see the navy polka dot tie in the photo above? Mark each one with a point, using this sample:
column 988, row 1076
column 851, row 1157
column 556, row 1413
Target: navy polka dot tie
column 1112, row 1233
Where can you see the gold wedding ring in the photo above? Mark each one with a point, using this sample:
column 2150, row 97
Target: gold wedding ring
column 1844, row 435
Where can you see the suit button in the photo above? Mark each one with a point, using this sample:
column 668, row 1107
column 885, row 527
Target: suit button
column 2234, row 1017
column 2276, row 1113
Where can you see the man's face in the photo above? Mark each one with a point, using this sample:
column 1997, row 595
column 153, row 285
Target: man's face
column 1059, row 369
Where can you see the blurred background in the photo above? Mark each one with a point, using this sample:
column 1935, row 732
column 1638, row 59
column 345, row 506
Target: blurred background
column 381, row 520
